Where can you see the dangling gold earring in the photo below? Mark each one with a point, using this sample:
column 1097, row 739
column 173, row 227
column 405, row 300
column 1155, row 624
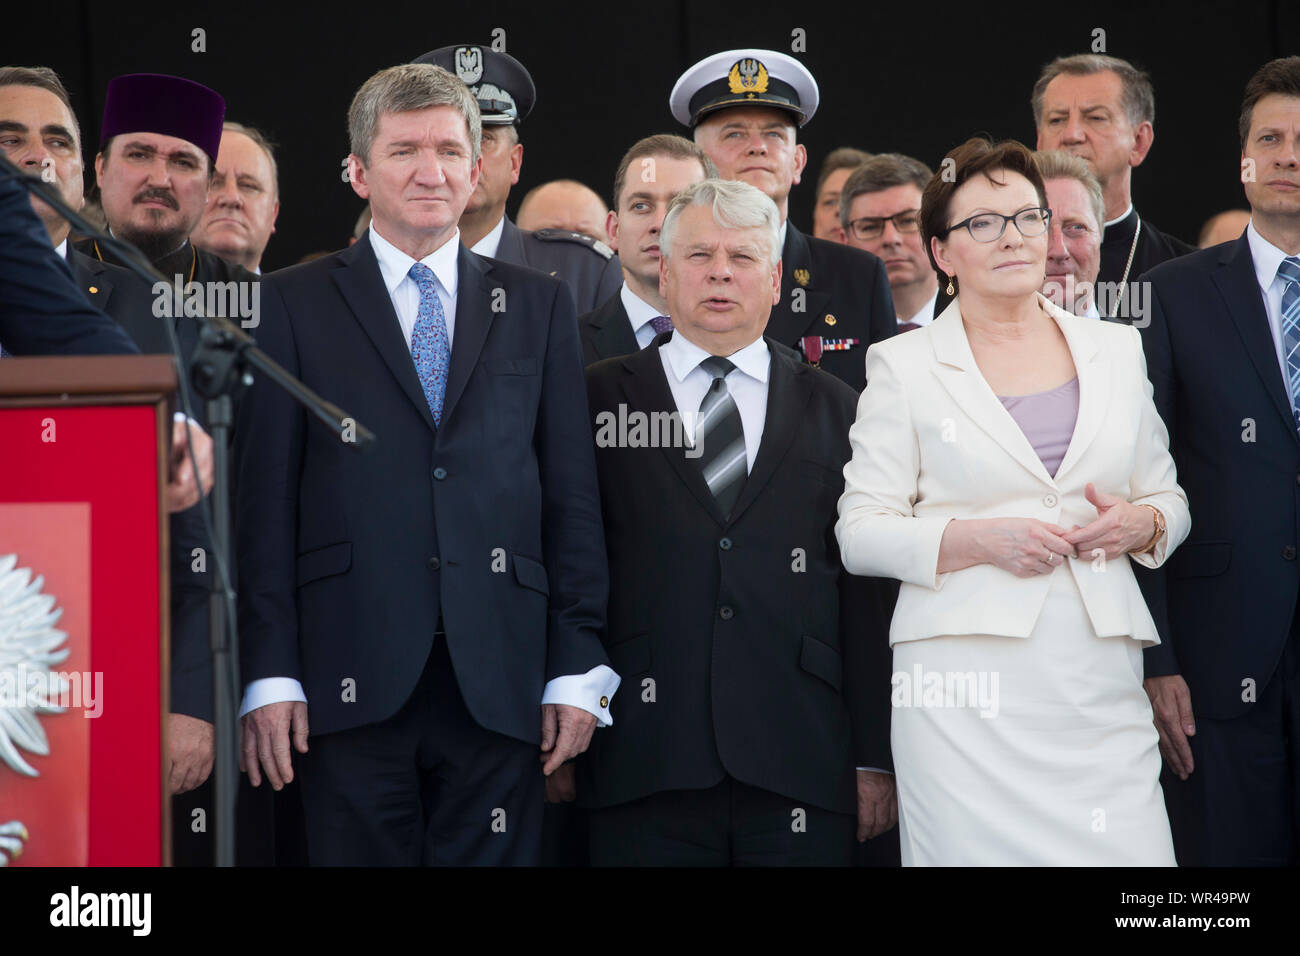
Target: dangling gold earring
column 951, row 290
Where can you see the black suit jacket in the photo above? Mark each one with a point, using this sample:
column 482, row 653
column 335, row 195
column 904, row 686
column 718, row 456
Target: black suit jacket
column 129, row 302
column 607, row 332
column 490, row 520
column 591, row 270
column 836, row 292
column 41, row 311
column 1153, row 247
column 1226, row 596
column 769, row 663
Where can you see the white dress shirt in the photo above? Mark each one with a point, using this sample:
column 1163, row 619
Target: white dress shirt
column 747, row 384
column 1091, row 311
column 926, row 314
column 1267, row 258
column 487, row 246
column 639, row 314
column 576, row 690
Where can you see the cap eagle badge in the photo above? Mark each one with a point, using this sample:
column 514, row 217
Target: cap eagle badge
column 748, row 76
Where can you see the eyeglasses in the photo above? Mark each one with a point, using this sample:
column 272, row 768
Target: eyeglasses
column 870, row 227
column 989, row 226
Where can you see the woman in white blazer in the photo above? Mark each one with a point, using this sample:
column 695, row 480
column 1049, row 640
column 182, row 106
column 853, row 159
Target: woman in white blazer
column 1008, row 465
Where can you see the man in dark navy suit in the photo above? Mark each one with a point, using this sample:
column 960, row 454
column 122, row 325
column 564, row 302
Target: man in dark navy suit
column 1223, row 356
column 438, row 603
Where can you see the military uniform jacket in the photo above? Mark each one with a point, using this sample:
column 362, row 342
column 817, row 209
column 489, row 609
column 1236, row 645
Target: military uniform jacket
column 589, row 268
column 834, row 294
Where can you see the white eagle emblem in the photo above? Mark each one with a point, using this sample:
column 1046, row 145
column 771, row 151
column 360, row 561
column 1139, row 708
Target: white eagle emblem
column 469, row 64
column 29, row 645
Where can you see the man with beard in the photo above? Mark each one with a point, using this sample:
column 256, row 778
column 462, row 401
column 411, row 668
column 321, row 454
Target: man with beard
column 505, row 94
column 157, row 155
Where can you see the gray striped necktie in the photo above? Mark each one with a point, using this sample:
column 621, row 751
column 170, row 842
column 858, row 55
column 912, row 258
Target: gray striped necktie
column 720, row 436
column 1289, row 270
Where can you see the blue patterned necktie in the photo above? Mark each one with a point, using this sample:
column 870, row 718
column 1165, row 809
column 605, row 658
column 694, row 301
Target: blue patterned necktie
column 1289, row 270
column 429, row 345
column 661, row 324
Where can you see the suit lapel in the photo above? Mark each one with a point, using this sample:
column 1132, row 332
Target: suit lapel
column 1237, row 283
column 788, row 391
column 646, row 388
column 612, row 330
column 1093, row 369
column 473, row 320
column 362, row 287
column 510, row 248
column 961, row 377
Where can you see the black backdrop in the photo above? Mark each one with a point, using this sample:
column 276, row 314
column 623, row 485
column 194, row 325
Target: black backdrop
column 914, row 77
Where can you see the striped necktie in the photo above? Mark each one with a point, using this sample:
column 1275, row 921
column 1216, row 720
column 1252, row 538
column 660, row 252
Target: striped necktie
column 429, row 346
column 720, row 436
column 1289, row 271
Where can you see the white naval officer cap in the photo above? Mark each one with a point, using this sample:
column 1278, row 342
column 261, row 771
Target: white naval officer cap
column 744, row 78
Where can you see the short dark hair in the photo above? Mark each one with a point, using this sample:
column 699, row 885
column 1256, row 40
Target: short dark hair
column 43, row 78
column 661, row 144
column 882, row 172
column 1138, row 97
column 1276, row 76
column 844, row 157
column 975, row 156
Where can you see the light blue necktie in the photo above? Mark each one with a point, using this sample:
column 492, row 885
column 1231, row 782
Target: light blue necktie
column 429, row 346
column 1289, row 271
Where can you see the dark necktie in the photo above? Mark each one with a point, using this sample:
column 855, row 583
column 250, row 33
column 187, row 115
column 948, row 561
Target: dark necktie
column 661, row 324
column 720, row 436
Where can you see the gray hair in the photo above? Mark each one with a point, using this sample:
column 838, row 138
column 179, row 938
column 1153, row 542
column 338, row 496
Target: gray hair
column 261, row 142
column 1058, row 164
column 881, row 172
column 736, row 205
column 402, row 89
column 1137, row 98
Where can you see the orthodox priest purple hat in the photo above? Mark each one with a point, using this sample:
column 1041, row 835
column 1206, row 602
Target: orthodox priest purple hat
column 167, row 105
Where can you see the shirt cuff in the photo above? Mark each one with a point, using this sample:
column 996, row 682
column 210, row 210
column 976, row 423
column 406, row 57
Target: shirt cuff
column 877, row 770
column 591, row 692
column 271, row 690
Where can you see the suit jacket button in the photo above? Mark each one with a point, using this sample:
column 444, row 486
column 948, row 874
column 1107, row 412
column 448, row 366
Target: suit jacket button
column 439, row 473
column 1289, row 552
column 604, row 702
column 725, row 544
column 1049, row 501
column 435, row 563
column 726, row 613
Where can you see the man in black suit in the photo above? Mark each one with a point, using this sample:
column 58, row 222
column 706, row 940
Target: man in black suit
column 760, row 669
column 649, row 175
column 438, row 601
column 506, row 94
column 1102, row 109
column 745, row 107
column 1223, row 355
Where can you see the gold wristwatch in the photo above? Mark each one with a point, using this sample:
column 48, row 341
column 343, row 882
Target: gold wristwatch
column 1160, row 529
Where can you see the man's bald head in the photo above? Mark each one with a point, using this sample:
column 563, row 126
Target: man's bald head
column 564, row 204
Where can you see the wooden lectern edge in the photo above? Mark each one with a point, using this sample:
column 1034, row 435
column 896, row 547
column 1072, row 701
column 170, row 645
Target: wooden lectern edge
column 115, row 380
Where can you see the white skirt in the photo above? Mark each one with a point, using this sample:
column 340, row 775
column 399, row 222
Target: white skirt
column 1052, row 761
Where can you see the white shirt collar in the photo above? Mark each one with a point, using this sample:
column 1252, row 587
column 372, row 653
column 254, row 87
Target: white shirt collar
column 926, row 314
column 487, row 246
column 684, row 356
column 394, row 264
column 62, row 249
column 780, row 242
column 1266, row 255
column 1127, row 212
column 1091, row 311
column 638, row 310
